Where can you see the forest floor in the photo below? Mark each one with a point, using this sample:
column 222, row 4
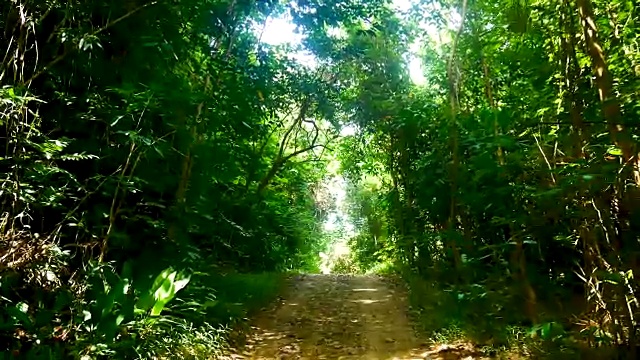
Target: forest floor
column 342, row 317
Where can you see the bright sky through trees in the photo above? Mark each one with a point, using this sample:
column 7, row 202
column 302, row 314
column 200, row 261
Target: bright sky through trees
column 152, row 145
column 282, row 30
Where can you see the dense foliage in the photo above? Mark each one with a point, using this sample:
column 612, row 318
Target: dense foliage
column 512, row 173
column 152, row 147
column 148, row 140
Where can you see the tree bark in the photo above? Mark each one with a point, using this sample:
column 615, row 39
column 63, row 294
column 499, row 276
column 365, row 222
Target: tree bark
column 453, row 134
column 573, row 102
column 604, row 82
column 494, row 110
column 187, row 165
column 621, row 138
column 282, row 159
column 518, row 256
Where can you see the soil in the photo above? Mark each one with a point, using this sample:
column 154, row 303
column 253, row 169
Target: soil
column 341, row 317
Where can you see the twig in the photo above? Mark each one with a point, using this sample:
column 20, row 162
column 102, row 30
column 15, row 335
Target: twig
column 75, row 46
column 553, row 179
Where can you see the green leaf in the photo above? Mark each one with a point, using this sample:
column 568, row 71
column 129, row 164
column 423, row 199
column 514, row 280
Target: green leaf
column 614, row 151
column 119, row 319
column 148, row 300
column 163, row 295
column 19, row 314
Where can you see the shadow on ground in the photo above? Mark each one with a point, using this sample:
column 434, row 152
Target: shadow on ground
column 341, row 317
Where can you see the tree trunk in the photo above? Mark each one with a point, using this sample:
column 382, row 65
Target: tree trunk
column 494, row 110
column 408, row 216
column 621, row 138
column 573, row 102
column 187, row 165
column 183, row 185
column 518, row 256
column 453, row 136
column 604, row 82
column 281, row 159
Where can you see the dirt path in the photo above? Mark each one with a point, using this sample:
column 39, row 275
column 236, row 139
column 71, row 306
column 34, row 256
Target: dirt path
column 337, row 317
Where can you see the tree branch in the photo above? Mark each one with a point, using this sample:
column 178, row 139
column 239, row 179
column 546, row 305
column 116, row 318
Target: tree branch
column 75, row 46
column 303, row 112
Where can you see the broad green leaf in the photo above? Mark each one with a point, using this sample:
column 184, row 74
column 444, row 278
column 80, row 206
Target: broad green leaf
column 614, row 151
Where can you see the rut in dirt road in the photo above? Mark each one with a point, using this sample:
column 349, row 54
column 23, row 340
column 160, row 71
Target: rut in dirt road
column 337, row 317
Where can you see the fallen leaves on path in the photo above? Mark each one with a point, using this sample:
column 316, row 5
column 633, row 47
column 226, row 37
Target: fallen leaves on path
column 342, row 317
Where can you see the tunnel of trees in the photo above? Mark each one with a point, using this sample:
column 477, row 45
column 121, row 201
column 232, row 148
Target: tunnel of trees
column 151, row 148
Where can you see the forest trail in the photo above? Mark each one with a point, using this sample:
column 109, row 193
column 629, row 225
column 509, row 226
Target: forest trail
column 340, row 317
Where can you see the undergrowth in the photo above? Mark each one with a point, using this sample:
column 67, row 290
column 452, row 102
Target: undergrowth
column 487, row 315
column 106, row 313
column 211, row 315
